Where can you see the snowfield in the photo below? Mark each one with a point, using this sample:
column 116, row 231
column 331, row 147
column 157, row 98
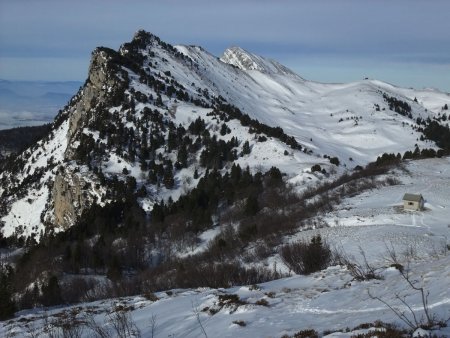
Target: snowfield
column 379, row 214
column 24, row 216
column 329, row 300
column 339, row 119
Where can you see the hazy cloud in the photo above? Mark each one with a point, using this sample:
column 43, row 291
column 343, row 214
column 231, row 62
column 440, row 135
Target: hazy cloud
column 399, row 31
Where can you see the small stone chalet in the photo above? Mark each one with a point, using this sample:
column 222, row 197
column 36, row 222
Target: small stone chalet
column 413, row 202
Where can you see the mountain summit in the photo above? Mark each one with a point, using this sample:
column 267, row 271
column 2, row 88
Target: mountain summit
column 244, row 60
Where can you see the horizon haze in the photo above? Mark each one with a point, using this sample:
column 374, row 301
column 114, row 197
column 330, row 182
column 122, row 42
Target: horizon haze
column 404, row 43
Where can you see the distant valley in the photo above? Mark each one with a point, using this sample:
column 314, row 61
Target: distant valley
column 30, row 103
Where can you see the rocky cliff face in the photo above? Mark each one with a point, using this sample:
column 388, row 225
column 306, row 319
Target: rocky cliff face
column 73, row 193
column 104, row 84
column 37, row 171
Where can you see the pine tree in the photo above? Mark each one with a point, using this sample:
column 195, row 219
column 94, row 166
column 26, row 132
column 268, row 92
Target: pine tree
column 114, row 272
column 157, row 213
column 51, row 292
column 159, row 101
column 275, row 174
column 182, row 156
column 236, row 173
column 7, row 306
column 224, row 129
column 251, row 205
column 246, row 148
column 168, row 179
column 172, row 140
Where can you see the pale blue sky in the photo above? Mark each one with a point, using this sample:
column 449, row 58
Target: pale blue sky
column 404, row 42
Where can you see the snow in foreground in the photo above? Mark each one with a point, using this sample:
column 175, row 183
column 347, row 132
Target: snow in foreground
column 328, row 300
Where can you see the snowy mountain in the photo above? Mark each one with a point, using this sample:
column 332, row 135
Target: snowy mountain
column 352, row 121
column 172, row 163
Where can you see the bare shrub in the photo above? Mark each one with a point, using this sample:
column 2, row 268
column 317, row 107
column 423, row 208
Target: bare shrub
column 64, row 324
column 382, row 330
column 262, row 251
column 360, row 270
column 306, row 258
column 51, row 327
column 408, row 314
column 270, row 294
column 71, row 327
column 384, row 333
column 262, row 302
column 97, row 330
column 309, row 333
column 254, row 287
column 224, row 245
column 195, row 272
column 78, row 289
column 392, row 181
column 239, row 322
column 31, row 330
column 229, row 301
column 123, row 324
column 153, row 325
column 197, row 316
column 151, row 296
column 100, row 290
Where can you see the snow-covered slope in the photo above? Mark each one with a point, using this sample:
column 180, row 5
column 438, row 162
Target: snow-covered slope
column 244, row 60
column 326, row 301
column 39, row 162
column 350, row 121
column 337, row 119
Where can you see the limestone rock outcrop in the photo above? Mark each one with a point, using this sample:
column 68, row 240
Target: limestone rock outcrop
column 72, row 194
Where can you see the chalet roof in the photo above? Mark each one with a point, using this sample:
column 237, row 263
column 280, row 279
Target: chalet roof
column 412, row 197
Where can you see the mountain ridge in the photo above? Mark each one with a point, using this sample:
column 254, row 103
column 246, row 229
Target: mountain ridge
column 149, row 79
